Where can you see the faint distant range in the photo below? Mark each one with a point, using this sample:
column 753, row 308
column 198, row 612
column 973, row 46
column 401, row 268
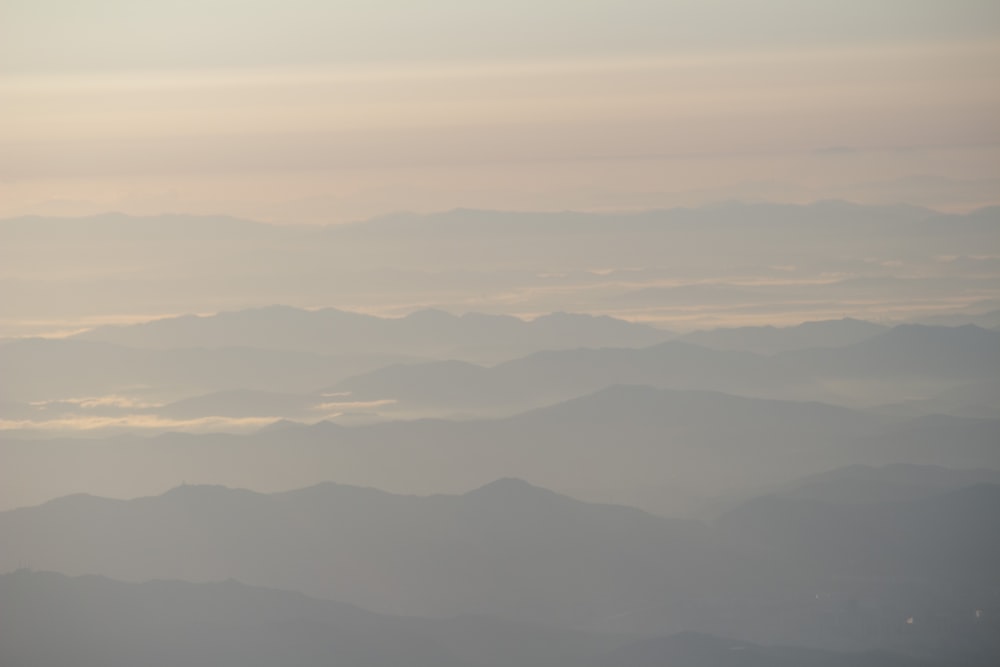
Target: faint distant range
column 242, row 370
column 685, row 269
column 469, row 337
column 424, row 333
column 939, row 368
column 772, row 340
column 662, row 450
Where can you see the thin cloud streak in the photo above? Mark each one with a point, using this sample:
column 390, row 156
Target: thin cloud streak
column 138, row 422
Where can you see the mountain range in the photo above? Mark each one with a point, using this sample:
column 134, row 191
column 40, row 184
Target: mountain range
column 519, row 552
column 689, row 268
column 97, row 622
column 663, row 450
column 923, row 369
column 423, row 333
column 893, row 363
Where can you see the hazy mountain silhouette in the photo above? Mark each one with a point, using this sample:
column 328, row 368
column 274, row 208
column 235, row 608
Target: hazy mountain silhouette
column 663, row 450
column 909, row 350
column 771, row 340
column 553, row 376
column 946, row 541
column 987, row 320
column 92, row 621
column 888, row 362
column 432, row 333
column 439, row 385
column 516, row 262
column 923, row 368
column 855, row 486
column 898, row 482
column 974, row 399
column 837, row 222
column 518, row 551
column 507, row 548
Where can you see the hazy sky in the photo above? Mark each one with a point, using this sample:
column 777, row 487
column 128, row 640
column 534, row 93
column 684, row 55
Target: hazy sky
column 325, row 111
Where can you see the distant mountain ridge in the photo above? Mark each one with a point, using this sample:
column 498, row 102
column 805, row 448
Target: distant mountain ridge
column 654, row 448
column 936, row 354
column 906, row 370
column 772, row 340
column 861, row 484
column 425, row 332
column 651, row 264
column 944, row 537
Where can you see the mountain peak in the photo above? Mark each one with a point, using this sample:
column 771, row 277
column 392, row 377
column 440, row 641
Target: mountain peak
column 511, row 488
column 205, row 491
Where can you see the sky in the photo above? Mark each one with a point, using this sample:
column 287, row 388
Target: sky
column 316, row 112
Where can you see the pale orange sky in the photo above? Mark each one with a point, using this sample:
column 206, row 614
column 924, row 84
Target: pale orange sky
column 590, row 110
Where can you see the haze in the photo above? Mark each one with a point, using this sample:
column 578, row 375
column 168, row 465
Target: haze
column 548, row 334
